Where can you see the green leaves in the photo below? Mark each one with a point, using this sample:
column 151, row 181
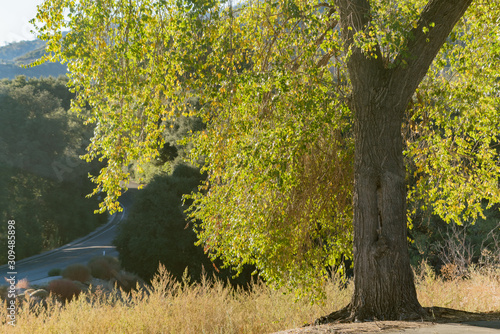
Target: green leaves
column 43, row 181
column 274, row 92
column 116, row 52
column 278, row 154
column 455, row 149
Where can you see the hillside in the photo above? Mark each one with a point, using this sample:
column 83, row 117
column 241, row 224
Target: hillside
column 14, row 55
column 14, row 50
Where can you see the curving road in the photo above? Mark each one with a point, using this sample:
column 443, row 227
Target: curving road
column 99, row 242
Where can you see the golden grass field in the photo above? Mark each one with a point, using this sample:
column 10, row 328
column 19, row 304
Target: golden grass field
column 209, row 307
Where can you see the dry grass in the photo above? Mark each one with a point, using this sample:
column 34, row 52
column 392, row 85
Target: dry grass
column 212, row 308
column 478, row 291
column 173, row 307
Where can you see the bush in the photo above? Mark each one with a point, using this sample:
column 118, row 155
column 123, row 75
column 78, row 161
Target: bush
column 54, row 272
column 77, row 272
column 64, row 289
column 104, row 267
column 446, row 245
column 128, row 281
column 156, row 231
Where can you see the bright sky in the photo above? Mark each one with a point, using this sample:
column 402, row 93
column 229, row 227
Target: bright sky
column 14, row 20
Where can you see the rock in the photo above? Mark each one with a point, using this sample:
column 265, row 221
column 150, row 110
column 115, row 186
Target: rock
column 103, row 286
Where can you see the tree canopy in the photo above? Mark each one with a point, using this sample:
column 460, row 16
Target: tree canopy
column 43, row 182
column 275, row 85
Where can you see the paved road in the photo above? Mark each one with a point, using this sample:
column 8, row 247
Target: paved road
column 474, row 327
column 99, row 242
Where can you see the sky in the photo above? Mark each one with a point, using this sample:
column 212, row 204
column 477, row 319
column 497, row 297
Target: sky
column 14, row 20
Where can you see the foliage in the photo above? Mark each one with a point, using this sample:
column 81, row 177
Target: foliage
column 54, row 272
column 279, row 146
column 77, row 272
column 453, row 145
column 440, row 243
column 31, row 56
column 43, row 181
column 173, row 152
column 104, row 267
column 274, row 94
column 128, row 282
column 156, row 231
column 65, row 289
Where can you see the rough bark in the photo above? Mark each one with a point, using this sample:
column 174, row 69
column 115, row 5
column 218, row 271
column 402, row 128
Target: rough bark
column 383, row 279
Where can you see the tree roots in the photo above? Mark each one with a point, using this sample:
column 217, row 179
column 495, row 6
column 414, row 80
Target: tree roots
column 430, row 314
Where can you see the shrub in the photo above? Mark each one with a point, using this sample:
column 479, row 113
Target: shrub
column 77, row 272
column 441, row 244
column 104, row 267
column 156, row 231
column 60, row 213
column 64, row 289
column 54, row 272
column 128, row 281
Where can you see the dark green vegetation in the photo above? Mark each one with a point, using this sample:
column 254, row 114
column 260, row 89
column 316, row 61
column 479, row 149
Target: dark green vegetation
column 173, row 152
column 104, row 267
column 443, row 245
column 54, row 272
column 77, row 272
column 43, row 182
column 14, row 55
column 157, row 229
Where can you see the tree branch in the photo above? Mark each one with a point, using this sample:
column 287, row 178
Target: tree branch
column 435, row 24
column 355, row 16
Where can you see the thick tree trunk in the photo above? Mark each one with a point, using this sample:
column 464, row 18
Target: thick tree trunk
column 383, row 279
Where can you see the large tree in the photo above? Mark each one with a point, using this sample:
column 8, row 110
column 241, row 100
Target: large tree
column 383, row 279
column 314, row 122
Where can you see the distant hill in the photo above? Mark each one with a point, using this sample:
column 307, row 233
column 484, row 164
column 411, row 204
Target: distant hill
column 30, row 56
column 13, row 55
column 10, row 71
column 14, row 50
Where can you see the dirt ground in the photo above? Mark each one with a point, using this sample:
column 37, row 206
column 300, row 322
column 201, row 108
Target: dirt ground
column 442, row 316
column 363, row 327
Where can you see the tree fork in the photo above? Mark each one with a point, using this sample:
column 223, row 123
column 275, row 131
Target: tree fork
column 384, row 288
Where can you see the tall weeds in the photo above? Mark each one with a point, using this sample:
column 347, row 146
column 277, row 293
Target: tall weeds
column 213, row 307
column 476, row 290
